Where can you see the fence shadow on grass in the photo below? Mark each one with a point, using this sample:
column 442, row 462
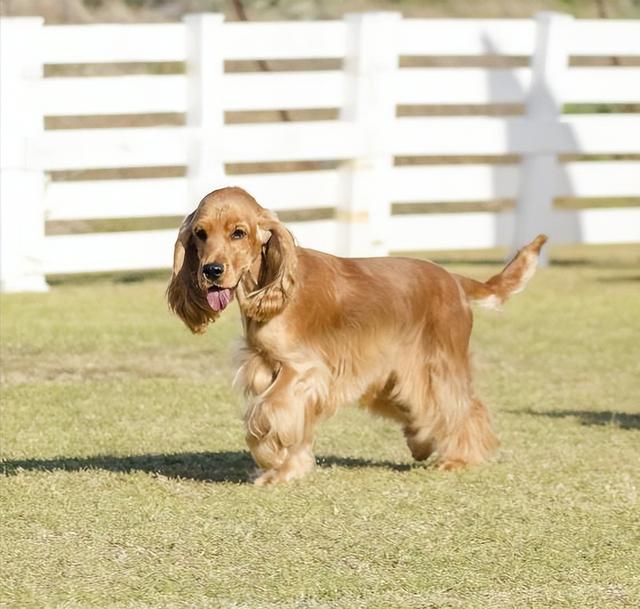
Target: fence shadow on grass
column 225, row 466
column 622, row 420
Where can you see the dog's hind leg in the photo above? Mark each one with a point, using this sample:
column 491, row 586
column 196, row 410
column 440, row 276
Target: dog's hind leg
column 468, row 441
column 447, row 420
column 383, row 399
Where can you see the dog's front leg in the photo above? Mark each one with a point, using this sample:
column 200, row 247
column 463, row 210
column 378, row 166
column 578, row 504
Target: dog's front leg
column 279, row 432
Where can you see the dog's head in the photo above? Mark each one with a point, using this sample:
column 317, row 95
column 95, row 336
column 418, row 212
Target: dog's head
column 230, row 246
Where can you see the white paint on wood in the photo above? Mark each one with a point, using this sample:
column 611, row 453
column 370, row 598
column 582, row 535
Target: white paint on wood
column 205, row 114
column 534, row 205
column 600, row 134
column 139, row 198
column 326, row 89
column 21, row 184
column 108, row 148
column 473, row 230
column 466, row 37
column 295, row 141
column 292, row 190
column 79, row 96
column 598, row 179
column 453, row 183
column 331, row 140
column 619, row 85
column 96, row 199
column 609, row 225
column 371, row 65
column 284, row 90
column 316, row 234
column 365, row 138
column 604, row 37
column 479, row 230
column 284, row 40
column 102, row 252
column 148, row 250
column 462, row 85
column 114, row 43
column 570, row 134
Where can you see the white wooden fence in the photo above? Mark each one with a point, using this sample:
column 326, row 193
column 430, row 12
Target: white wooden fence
column 366, row 138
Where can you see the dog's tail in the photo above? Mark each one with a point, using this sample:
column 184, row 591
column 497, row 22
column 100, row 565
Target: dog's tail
column 511, row 280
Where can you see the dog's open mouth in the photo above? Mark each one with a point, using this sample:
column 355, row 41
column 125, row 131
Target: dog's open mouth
column 219, row 298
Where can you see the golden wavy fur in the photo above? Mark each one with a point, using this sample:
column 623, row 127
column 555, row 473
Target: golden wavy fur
column 321, row 331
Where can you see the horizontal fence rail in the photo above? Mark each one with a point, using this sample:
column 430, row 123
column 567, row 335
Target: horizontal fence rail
column 362, row 153
column 97, row 199
column 326, row 140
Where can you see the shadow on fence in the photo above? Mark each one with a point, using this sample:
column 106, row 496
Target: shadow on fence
column 537, row 184
column 224, row 466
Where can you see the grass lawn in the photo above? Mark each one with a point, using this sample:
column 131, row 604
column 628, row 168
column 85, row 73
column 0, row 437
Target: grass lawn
column 125, row 471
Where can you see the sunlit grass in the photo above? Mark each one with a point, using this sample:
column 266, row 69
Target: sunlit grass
column 127, row 477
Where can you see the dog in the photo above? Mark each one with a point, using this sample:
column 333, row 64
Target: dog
column 321, row 331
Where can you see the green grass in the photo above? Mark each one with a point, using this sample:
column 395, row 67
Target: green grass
column 126, row 476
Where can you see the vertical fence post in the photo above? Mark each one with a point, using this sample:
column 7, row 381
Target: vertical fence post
column 21, row 184
column 534, row 207
column 371, row 64
column 205, row 109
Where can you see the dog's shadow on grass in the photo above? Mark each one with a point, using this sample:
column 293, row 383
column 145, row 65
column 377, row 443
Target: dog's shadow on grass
column 621, row 420
column 226, row 466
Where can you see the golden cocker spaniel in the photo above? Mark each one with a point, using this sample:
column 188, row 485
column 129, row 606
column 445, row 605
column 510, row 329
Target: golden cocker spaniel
column 321, row 331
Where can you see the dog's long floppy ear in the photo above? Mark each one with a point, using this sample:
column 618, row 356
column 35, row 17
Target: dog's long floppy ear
column 186, row 298
column 276, row 282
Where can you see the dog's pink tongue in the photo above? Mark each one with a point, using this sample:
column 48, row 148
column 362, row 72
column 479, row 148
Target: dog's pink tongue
column 219, row 299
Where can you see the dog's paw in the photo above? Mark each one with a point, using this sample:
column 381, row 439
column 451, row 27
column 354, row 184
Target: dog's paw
column 449, row 465
column 272, row 477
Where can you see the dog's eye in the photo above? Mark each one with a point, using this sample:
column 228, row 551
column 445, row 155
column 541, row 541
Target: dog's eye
column 238, row 234
column 201, row 234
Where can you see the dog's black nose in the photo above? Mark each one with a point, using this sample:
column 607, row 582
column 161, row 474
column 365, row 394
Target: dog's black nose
column 213, row 271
